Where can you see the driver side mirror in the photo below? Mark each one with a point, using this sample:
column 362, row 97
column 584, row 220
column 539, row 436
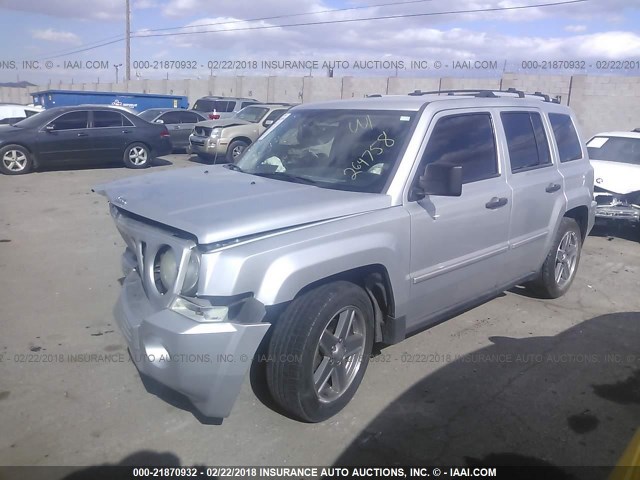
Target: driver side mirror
column 267, row 123
column 159, row 120
column 439, row 179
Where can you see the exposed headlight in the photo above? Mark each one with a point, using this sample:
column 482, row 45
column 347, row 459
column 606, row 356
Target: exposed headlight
column 215, row 132
column 165, row 269
column 190, row 285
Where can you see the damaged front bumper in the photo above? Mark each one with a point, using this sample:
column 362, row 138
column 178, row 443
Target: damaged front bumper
column 206, row 361
column 612, row 206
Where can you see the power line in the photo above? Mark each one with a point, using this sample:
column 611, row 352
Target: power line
column 290, row 15
column 116, row 38
column 84, row 49
column 73, row 49
column 328, row 22
column 385, row 17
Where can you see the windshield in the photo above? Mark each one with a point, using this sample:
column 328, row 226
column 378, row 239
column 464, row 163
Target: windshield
column 340, row 149
column 251, row 114
column 615, row 149
column 149, row 115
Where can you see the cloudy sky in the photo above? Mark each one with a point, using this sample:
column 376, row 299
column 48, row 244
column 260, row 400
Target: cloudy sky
column 591, row 31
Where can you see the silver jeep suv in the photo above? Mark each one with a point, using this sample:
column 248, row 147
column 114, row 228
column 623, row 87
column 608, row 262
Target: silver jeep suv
column 347, row 223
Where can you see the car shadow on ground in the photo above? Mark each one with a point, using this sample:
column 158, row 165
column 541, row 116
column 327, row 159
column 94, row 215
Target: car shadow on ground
column 554, row 402
column 123, row 470
column 613, row 231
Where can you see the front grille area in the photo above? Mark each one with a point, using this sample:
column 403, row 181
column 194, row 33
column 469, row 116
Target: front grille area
column 146, row 241
column 203, row 131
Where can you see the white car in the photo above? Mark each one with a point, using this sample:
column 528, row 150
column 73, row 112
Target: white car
column 12, row 113
column 615, row 157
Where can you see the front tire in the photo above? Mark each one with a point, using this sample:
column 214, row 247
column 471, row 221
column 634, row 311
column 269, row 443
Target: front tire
column 235, row 149
column 320, row 350
column 15, row 160
column 559, row 268
column 137, row 155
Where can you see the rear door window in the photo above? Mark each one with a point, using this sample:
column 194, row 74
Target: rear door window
column 189, row 117
column 104, row 119
column 526, row 140
column 171, row 118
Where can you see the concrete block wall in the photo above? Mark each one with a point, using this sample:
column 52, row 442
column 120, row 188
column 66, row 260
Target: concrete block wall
column 600, row 102
column 402, row 86
column 356, row 87
column 606, row 103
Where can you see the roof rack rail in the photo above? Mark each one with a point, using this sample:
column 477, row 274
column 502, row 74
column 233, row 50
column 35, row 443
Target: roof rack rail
column 373, row 95
column 487, row 93
column 637, row 130
column 480, row 92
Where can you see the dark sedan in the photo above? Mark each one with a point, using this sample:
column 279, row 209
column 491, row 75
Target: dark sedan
column 179, row 122
column 90, row 133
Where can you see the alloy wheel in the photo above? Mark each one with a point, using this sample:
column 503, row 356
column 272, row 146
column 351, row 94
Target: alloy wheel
column 338, row 354
column 138, row 155
column 566, row 257
column 14, row 160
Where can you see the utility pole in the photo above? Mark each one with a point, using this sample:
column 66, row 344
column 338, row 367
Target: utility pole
column 128, row 42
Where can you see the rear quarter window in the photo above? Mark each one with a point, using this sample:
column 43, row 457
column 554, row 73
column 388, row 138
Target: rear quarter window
column 566, row 137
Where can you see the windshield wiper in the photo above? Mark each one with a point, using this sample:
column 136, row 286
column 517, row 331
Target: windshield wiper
column 287, row 177
column 233, row 166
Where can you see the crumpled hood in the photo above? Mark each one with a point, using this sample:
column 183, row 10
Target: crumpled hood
column 222, row 122
column 216, row 204
column 616, row 177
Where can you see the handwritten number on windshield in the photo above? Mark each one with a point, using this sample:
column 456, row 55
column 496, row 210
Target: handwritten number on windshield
column 374, row 149
column 366, row 123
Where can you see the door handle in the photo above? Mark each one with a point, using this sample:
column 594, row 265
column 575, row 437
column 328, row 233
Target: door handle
column 126, row 131
column 552, row 187
column 496, row 202
column 83, row 134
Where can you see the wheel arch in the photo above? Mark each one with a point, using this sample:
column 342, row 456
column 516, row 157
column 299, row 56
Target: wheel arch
column 581, row 215
column 375, row 281
column 242, row 138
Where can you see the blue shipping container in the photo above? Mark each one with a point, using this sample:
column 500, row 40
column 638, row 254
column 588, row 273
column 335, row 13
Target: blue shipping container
column 136, row 101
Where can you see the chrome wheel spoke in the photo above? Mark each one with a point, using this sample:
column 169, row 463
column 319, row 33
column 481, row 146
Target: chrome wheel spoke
column 322, row 374
column 339, row 377
column 327, row 342
column 344, row 323
column 353, row 345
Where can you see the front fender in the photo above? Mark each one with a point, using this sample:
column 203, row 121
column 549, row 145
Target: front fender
column 276, row 267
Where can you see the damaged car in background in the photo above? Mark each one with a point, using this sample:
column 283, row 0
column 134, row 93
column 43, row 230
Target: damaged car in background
column 615, row 157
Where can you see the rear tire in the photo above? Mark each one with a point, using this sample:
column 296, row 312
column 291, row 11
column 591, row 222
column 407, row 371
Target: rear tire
column 15, row 160
column 320, row 349
column 559, row 268
column 137, row 155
